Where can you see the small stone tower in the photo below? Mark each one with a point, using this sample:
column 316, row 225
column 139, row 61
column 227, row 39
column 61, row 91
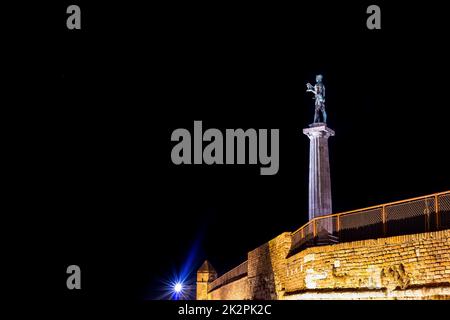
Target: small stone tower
column 205, row 275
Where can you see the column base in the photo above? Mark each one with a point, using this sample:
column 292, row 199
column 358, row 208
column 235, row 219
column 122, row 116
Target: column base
column 317, row 124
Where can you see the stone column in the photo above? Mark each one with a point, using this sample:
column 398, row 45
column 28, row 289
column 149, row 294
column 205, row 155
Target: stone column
column 319, row 172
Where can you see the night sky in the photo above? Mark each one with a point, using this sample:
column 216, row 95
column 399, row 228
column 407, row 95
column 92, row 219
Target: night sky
column 116, row 205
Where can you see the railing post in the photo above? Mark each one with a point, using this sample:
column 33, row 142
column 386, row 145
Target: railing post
column 338, row 224
column 436, row 208
column 314, row 228
column 427, row 216
column 383, row 216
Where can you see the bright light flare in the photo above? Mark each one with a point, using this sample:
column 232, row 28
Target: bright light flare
column 178, row 287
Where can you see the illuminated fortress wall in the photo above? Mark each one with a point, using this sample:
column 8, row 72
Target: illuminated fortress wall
column 267, row 268
column 413, row 266
column 236, row 290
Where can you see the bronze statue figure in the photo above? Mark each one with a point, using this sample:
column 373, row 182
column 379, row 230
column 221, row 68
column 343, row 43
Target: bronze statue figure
column 319, row 95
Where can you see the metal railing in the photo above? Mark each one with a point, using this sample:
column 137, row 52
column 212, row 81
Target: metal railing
column 416, row 215
column 230, row 276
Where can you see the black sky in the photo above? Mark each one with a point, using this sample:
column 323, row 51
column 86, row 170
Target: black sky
column 135, row 73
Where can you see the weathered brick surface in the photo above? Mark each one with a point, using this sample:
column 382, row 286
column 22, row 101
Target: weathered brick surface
column 404, row 267
column 237, row 290
column 389, row 264
column 267, row 268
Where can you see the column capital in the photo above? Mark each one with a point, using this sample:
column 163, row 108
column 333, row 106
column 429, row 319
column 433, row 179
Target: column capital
column 319, row 129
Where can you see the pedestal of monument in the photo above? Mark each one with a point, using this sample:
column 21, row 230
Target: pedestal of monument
column 319, row 176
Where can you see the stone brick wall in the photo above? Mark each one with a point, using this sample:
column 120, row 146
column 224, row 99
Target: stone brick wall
column 203, row 278
column 236, row 290
column 267, row 268
column 202, row 290
column 405, row 267
column 415, row 265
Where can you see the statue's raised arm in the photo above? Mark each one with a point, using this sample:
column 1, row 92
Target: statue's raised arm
column 319, row 95
column 310, row 88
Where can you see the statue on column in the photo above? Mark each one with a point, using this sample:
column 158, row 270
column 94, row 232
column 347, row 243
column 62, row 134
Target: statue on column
column 319, row 96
